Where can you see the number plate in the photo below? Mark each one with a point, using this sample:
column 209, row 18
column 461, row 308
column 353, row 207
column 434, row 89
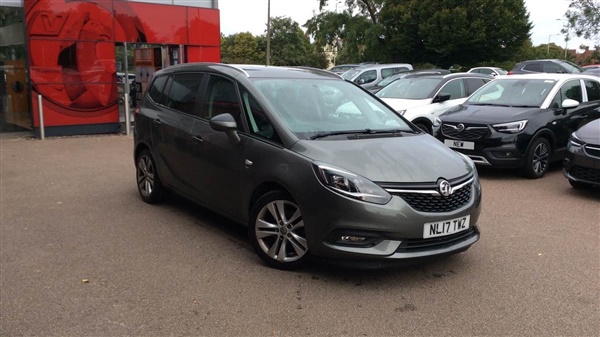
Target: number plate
column 446, row 227
column 459, row 144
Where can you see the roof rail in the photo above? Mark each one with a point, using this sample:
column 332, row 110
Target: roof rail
column 321, row 71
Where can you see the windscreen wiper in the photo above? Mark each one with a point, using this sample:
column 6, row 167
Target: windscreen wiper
column 353, row 132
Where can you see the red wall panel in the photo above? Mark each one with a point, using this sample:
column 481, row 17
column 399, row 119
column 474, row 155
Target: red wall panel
column 204, row 27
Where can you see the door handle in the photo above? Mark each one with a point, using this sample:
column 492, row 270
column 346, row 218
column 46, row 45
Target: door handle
column 197, row 139
column 156, row 122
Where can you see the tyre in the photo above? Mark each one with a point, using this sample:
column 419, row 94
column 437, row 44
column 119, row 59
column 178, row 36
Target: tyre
column 537, row 159
column 148, row 182
column 424, row 127
column 578, row 184
column 277, row 233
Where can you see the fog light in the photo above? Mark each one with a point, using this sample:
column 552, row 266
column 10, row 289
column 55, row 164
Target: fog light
column 353, row 238
column 504, row 154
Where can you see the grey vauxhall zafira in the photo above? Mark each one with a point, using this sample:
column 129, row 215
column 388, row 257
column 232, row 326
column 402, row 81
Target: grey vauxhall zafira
column 315, row 166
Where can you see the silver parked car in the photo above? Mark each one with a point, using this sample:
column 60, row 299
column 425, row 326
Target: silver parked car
column 313, row 165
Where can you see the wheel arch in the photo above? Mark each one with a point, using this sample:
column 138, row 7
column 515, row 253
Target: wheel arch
column 260, row 190
column 548, row 135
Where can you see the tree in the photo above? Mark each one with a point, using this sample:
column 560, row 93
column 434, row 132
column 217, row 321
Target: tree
column 291, row 47
column 584, row 18
column 442, row 32
column 241, row 48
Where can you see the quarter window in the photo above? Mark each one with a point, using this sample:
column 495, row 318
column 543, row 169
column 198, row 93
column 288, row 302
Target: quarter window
column 155, row 91
column 257, row 118
column 593, row 90
column 221, row 97
column 183, row 91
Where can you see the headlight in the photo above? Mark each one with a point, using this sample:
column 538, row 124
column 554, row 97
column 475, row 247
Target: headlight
column 350, row 184
column 437, row 122
column 402, row 112
column 512, row 127
column 574, row 141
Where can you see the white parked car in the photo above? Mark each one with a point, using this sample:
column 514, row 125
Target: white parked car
column 494, row 71
column 421, row 99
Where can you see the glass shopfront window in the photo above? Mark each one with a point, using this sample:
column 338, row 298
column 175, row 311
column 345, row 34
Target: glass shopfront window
column 14, row 93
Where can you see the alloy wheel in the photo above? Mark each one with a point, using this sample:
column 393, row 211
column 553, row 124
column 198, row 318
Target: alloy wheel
column 145, row 175
column 541, row 156
column 279, row 230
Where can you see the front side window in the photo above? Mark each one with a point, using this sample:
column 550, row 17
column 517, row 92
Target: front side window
column 313, row 107
column 456, row 89
column 572, row 90
column 220, row 97
column 536, row 67
column 183, row 91
column 513, row 92
column 593, row 90
column 367, row 77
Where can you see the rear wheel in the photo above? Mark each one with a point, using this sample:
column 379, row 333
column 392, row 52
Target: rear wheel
column 148, row 181
column 537, row 159
column 277, row 232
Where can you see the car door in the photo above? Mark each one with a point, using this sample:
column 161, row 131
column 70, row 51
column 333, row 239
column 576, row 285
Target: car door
column 216, row 158
column 171, row 127
column 566, row 121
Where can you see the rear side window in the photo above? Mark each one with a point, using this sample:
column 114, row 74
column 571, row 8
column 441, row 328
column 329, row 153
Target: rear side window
column 537, row 67
column 155, row 91
column 550, row 67
column 593, row 90
column 183, row 92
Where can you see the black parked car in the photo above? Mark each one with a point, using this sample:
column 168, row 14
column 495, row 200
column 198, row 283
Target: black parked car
column 521, row 121
column 582, row 161
column 554, row 66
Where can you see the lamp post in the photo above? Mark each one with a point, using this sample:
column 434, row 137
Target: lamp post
column 548, row 45
column 268, row 32
column 567, row 36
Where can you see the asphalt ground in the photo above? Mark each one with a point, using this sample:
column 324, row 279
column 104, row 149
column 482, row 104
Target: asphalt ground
column 82, row 255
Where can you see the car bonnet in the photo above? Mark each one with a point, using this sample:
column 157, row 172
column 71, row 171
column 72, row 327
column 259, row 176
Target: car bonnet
column 411, row 158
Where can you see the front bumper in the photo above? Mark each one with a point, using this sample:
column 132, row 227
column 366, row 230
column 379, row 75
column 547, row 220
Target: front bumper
column 394, row 230
column 580, row 167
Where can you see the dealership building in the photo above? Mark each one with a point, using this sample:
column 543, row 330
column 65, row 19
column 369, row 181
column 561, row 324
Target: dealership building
column 74, row 60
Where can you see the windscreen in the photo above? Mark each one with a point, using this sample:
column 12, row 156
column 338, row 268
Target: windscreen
column 513, row 92
column 410, row 88
column 311, row 107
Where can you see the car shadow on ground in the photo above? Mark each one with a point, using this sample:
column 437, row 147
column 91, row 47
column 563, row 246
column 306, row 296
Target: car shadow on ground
column 492, row 173
column 317, row 269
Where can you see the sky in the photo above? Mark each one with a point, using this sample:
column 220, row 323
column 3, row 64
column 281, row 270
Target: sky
column 251, row 16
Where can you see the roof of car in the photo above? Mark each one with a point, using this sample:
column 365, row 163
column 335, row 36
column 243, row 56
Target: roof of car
column 382, row 65
column 453, row 75
column 252, row 70
column 547, row 76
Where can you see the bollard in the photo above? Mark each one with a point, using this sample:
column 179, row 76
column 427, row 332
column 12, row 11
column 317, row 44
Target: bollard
column 127, row 116
column 41, row 115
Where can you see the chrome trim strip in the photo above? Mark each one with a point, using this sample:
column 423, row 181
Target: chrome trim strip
column 479, row 160
column 433, row 192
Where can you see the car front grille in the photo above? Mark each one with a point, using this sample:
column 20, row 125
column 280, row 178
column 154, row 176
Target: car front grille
column 428, row 199
column 416, row 245
column 424, row 202
column 466, row 132
column 592, row 150
column 585, row 173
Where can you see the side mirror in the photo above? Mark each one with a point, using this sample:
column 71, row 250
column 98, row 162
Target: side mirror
column 227, row 124
column 569, row 103
column 441, row 97
column 361, row 81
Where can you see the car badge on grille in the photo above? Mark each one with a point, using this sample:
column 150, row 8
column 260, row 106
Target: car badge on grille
column 444, row 187
column 460, row 127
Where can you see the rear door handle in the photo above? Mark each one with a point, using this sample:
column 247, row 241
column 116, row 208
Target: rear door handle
column 156, row 122
column 197, row 139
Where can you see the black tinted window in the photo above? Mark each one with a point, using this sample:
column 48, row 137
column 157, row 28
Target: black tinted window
column 533, row 67
column 593, row 90
column 155, row 91
column 183, row 91
column 550, row 67
column 474, row 84
column 221, row 97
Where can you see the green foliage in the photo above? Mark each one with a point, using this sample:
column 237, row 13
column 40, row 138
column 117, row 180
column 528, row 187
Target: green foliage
column 291, row 47
column 584, row 18
column 241, row 48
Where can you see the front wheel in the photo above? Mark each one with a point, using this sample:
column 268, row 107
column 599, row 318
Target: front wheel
column 277, row 231
column 424, row 127
column 537, row 159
